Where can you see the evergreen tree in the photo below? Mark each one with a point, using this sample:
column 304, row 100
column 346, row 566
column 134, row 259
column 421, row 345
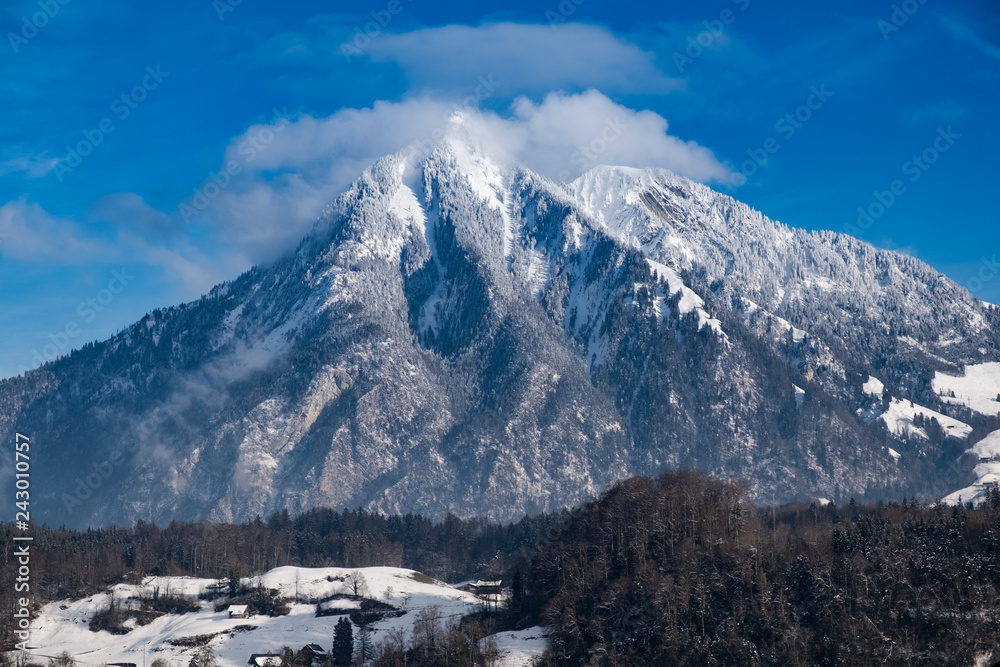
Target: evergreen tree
column 366, row 646
column 343, row 642
column 517, row 590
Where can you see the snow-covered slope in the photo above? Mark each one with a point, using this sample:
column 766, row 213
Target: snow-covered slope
column 521, row 648
column 459, row 334
column 978, row 388
column 64, row 626
column 986, row 454
column 900, row 418
column 818, row 281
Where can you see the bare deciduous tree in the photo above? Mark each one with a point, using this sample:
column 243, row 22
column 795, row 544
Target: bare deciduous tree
column 356, row 585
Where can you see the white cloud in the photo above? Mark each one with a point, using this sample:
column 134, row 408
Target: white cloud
column 28, row 232
column 282, row 187
column 129, row 212
column 33, row 165
column 568, row 134
column 191, row 271
column 526, row 59
column 154, row 238
column 290, row 170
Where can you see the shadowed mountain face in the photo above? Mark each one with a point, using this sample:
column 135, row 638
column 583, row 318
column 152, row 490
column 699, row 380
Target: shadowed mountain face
column 461, row 336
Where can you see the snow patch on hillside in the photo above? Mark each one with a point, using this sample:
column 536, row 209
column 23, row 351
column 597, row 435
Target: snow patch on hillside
column 988, row 447
column 780, row 325
column 608, row 193
column 900, row 416
column 405, row 205
column 689, row 299
column 978, row 389
column 873, row 386
column 522, row 647
column 800, row 395
column 798, row 335
column 689, row 302
column 987, row 471
column 228, row 328
column 538, row 271
column 704, row 319
column 987, row 476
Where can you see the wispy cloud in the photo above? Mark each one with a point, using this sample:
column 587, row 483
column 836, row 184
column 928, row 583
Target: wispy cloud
column 128, row 212
column 33, row 165
column 532, row 59
column 965, row 33
column 31, row 233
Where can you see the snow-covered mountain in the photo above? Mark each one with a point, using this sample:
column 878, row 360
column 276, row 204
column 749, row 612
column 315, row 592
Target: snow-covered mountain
column 458, row 334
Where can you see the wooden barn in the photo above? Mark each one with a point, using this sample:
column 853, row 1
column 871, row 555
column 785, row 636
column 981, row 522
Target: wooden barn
column 239, row 611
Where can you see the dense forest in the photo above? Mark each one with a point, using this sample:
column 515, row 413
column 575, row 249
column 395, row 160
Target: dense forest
column 680, row 570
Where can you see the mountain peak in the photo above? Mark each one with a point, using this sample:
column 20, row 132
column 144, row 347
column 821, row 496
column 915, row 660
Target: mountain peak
column 461, row 335
column 457, row 118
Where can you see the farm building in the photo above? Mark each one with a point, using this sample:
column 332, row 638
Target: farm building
column 239, row 611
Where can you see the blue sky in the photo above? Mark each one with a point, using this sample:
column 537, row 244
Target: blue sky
column 806, row 111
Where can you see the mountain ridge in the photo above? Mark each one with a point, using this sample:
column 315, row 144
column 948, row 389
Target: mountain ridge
column 461, row 335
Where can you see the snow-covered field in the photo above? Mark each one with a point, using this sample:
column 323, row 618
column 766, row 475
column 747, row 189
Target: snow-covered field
column 63, row 626
column 900, row 415
column 978, row 389
column 987, row 474
column 521, row 647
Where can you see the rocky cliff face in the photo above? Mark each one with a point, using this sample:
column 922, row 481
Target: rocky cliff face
column 459, row 335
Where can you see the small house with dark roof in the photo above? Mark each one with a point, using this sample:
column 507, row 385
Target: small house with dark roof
column 315, row 653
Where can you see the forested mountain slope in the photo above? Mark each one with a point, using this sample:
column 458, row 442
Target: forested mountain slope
column 458, row 334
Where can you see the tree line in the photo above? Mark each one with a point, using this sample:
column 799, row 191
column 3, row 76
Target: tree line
column 678, row 570
column 681, row 570
column 71, row 564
